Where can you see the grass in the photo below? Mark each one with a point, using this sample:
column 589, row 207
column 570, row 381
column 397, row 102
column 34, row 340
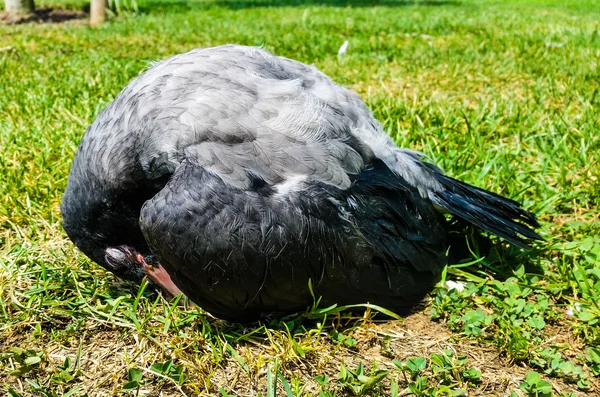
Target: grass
column 501, row 94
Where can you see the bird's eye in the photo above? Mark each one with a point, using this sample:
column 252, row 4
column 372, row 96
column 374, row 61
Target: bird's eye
column 114, row 257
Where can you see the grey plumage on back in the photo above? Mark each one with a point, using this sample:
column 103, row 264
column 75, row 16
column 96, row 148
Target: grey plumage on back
column 240, row 153
column 236, row 110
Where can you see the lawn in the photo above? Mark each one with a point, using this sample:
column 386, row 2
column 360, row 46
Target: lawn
column 501, row 94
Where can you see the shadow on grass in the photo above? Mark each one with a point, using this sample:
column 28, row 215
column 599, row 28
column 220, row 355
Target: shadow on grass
column 176, row 5
column 235, row 4
column 44, row 15
column 490, row 256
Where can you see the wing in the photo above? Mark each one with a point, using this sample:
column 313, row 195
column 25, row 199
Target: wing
column 243, row 253
column 240, row 253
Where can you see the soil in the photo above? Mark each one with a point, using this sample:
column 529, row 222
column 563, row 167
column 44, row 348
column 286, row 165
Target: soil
column 44, row 15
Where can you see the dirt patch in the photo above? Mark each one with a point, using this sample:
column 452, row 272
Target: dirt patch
column 44, row 15
column 104, row 352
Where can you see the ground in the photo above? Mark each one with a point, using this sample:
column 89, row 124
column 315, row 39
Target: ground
column 501, row 94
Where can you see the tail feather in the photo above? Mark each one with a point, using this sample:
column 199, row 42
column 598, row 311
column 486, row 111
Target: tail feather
column 491, row 212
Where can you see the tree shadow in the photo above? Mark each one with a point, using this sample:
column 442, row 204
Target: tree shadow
column 44, row 15
column 153, row 5
column 237, row 4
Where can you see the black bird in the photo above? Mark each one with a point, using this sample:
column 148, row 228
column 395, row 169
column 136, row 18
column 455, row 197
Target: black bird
column 245, row 175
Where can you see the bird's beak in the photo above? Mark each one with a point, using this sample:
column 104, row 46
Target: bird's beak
column 142, row 261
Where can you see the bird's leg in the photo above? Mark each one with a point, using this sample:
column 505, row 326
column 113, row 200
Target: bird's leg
column 159, row 275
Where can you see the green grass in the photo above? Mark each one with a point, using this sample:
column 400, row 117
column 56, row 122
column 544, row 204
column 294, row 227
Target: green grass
column 504, row 95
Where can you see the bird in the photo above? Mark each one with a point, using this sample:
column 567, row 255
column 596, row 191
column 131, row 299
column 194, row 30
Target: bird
column 252, row 183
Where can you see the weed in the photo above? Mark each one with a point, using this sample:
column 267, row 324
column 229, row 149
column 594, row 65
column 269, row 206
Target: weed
column 535, row 385
column 359, row 381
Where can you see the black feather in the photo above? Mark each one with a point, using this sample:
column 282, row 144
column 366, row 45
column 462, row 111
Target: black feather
column 488, row 211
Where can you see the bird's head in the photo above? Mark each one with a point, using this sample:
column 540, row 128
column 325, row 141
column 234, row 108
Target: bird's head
column 127, row 261
column 105, row 227
column 118, row 255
